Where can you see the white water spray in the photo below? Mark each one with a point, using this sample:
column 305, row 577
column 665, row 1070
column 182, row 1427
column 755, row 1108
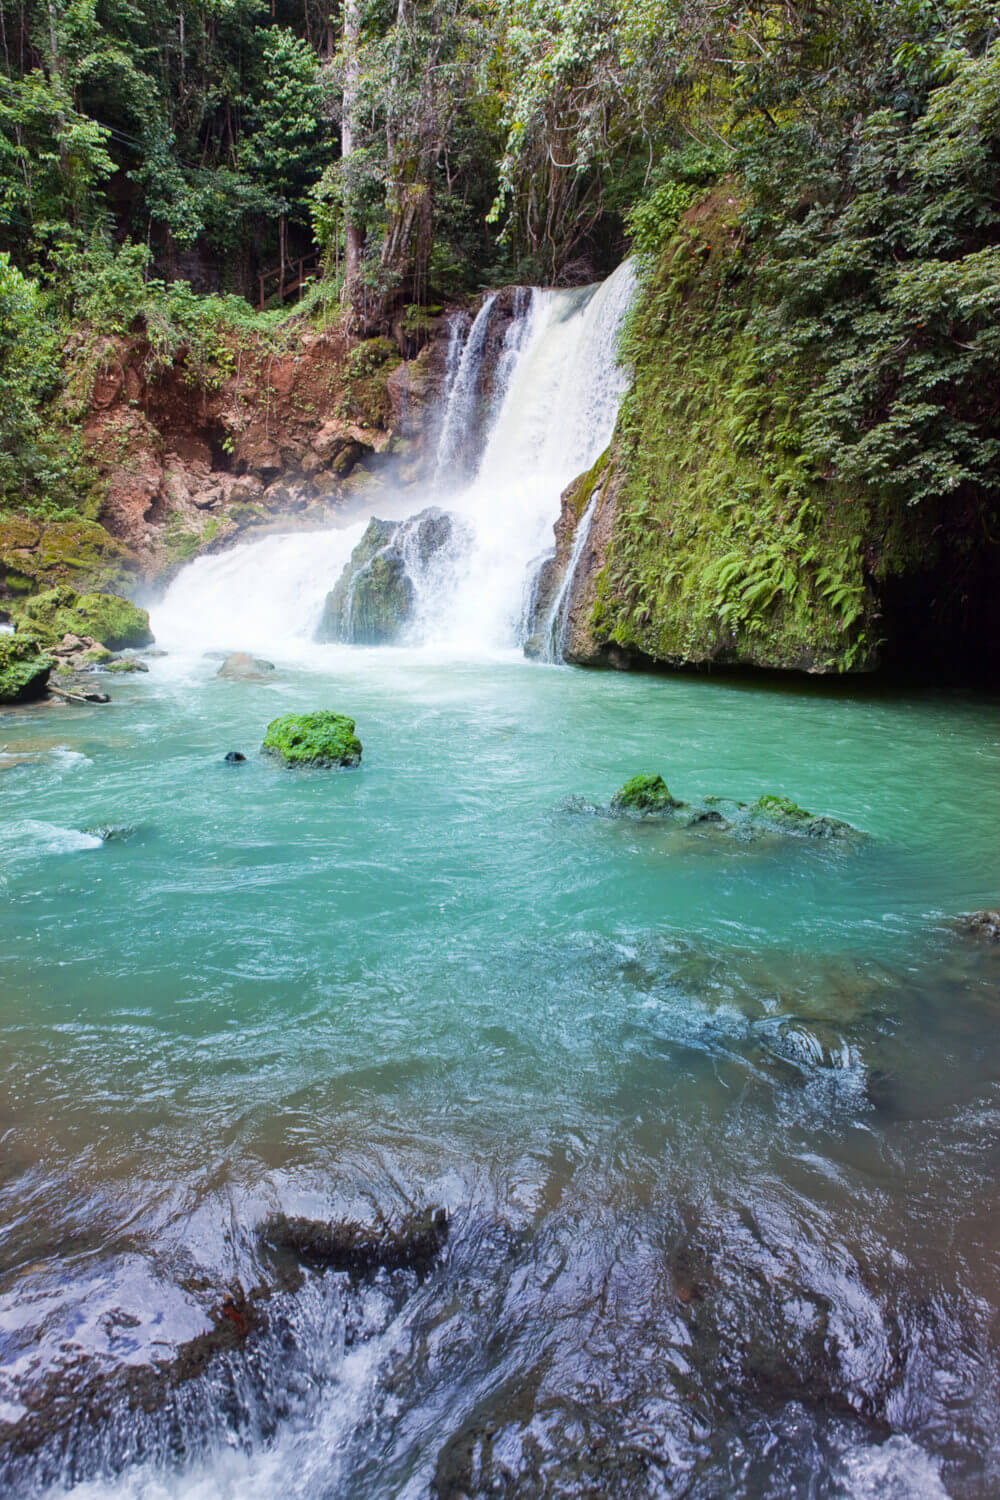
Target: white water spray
column 556, row 394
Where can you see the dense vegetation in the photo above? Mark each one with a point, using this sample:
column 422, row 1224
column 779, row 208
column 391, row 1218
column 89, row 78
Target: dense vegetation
column 156, row 160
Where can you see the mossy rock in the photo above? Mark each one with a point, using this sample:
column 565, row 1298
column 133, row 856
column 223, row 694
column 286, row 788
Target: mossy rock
column 786, row 816
column 780, row 809
column 24, row 668
column 644, row 794
column 319, row 739
column 113, row 622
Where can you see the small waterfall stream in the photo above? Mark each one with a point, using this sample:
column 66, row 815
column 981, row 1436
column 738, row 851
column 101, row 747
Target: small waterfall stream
column 557, row 621
column 555, row 395
column 461, row 393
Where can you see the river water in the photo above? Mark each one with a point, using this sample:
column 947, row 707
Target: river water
column 714, row 1122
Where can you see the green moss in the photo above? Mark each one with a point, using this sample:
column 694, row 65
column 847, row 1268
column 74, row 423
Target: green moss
column 38, row 554
column 582, row 489
column 726, row 544
column 366, row 395
column 113, row 622
column 771, row 812
column 644, row 793
column 780, row 807
column 319, row 739
column 24, row 668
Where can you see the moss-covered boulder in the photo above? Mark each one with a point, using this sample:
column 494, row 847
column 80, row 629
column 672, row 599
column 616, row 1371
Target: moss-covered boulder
column 783, row 815
column 24, row 668
column 643, row 794
column 320, row 739
column 373, row 599
column 113, row 622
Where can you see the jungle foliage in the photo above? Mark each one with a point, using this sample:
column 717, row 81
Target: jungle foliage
column 154, row 159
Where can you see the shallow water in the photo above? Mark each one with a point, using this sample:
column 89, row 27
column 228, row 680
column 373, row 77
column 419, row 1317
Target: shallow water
column 715, row 1123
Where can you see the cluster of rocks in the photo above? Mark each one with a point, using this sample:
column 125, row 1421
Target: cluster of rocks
column 61, row 636
column 648, row 796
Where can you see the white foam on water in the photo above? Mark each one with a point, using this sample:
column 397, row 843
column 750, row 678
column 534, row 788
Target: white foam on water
column 32, row 836
column 898, row 1469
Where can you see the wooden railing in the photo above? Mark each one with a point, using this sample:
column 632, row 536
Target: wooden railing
column 286, row 279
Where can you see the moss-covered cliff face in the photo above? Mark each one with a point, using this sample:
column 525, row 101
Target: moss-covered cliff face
column 714, row 540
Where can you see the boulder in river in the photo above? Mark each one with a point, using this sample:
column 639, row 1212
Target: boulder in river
column 105, row 618
column 242, row 667
column 644, row 793
column 24, row 668
column 324, row 738
column 374, row 597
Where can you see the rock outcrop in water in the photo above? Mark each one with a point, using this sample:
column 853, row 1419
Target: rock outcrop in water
column 644, row 794
column 647, row 796
column 319, row 739
column 374, row 598
column 984, row 925
column 242, row 667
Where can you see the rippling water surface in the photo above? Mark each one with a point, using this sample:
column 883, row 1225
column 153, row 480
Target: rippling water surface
column 715, row 1124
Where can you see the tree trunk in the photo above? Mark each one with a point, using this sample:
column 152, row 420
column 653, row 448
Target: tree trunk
column 354, row 234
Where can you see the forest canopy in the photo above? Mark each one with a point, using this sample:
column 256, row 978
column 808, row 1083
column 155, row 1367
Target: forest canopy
column 152, row 153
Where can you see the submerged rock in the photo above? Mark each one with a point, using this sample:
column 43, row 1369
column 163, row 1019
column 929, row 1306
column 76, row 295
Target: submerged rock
column 242, row 667
column 783, row 814
column 374, row 597
column 24, row 669
column 984, row 925
column 412, row 1245
column 234, row 758
column 319, row 739
column 104, row 618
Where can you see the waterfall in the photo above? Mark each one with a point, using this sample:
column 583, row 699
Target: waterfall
column 462, row 394
column 556, row 391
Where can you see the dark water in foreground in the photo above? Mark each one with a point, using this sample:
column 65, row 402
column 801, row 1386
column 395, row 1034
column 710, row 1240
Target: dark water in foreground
column 715, row 1124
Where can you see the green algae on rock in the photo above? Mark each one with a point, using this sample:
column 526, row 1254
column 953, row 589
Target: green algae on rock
column 113, row 622
column 324, row 738
column 644, row 793
column 783, row 814
column 648, row 795
column 24, row 668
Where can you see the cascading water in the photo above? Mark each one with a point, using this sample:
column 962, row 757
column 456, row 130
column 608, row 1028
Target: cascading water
column 462, row 393
column 557, row 620
column 557, row 388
